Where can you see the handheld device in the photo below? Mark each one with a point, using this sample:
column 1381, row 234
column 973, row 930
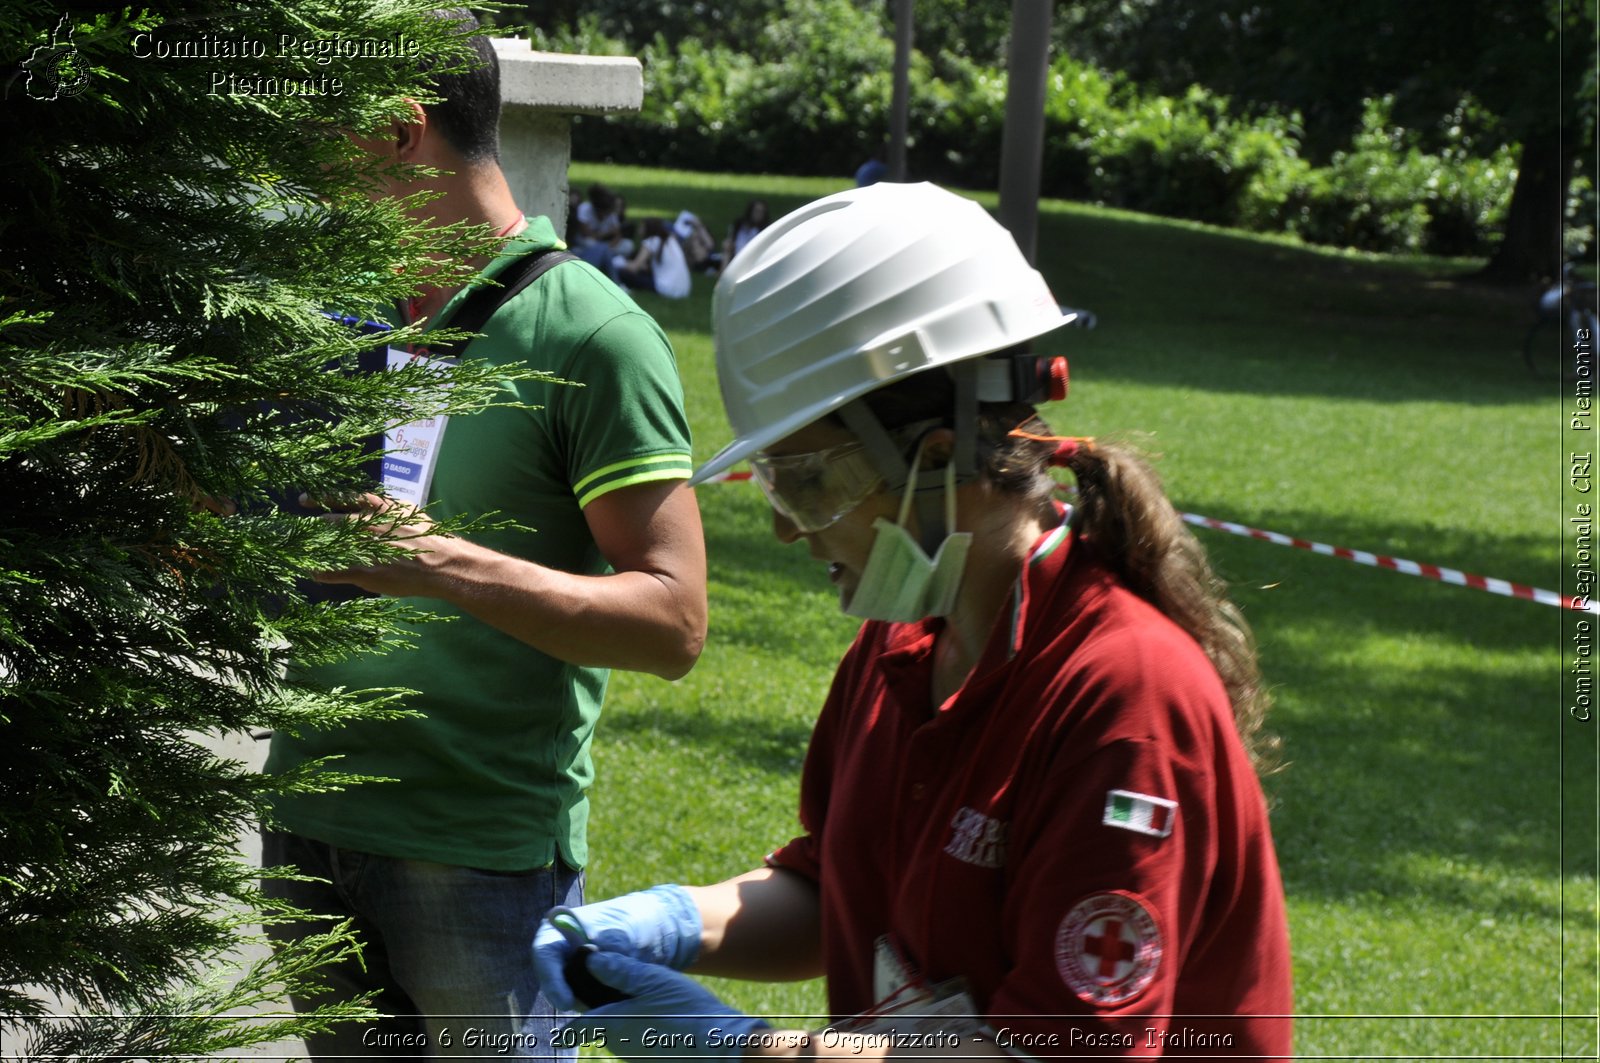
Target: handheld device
column 586, row 988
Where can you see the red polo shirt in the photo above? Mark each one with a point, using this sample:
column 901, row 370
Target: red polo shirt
column 1077, row 832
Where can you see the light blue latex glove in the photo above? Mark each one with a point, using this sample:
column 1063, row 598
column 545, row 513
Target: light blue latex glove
column 667, row 1014
column 660, row 925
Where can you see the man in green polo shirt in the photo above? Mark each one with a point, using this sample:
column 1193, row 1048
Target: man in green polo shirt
column 448, row 869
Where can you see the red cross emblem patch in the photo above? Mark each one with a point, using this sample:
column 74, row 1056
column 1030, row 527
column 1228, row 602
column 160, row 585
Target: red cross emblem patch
column 1108, row 948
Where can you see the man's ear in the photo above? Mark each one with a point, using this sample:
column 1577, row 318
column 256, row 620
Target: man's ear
column 410, row 133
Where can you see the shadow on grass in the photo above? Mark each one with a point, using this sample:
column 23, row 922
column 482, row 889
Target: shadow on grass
column 1419, row 719
column 1421, row 726
column 775, row 636
column 1453, row 799
column 765, row 742
column 774, row 598
column 1211, row 309
column 1220, row 311
column 1314, row 585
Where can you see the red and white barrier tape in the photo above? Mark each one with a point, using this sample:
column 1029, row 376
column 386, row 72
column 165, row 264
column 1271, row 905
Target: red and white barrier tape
column 1501, row 587
column 1400, row 564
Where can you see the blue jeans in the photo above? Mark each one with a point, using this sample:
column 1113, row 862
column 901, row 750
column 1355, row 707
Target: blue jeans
column 449, row 950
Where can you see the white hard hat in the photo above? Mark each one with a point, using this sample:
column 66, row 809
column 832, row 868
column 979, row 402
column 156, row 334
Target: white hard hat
column 855, row 291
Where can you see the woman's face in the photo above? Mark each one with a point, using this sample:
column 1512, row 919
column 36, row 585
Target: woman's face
column 845, row 544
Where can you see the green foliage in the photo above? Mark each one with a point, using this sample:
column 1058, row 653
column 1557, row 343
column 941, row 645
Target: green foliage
column 1386, row 193
column 824, row 68
column 1324, row 61
column 585, row 36
column 164, row 359
column 638, row 22
column 1531, row 64
column 810, row 95
column 956, row 118
column 803, row 95
column 203, row 1017
column 1182, row 157
column 948, row 30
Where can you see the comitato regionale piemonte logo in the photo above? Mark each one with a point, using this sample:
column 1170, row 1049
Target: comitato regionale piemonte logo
column 56, row 71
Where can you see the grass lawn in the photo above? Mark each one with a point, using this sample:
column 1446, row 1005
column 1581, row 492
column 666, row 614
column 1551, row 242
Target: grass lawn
column 1440, row 870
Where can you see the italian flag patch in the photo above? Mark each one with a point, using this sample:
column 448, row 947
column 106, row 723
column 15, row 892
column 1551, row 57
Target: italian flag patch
column 1140, row 813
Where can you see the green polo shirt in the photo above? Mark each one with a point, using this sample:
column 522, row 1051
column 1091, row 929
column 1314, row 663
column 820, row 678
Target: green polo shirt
column 495, row 773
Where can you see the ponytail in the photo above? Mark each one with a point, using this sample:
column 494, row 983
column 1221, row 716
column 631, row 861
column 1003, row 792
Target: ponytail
column 1123, row 510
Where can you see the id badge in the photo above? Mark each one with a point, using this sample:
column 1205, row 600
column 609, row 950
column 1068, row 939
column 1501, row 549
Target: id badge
column 910, row 1013
column 411, row 448
column 892, row 973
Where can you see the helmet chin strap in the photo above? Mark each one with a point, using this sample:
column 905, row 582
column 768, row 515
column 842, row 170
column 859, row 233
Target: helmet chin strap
column 887, row 457
column 966, row 452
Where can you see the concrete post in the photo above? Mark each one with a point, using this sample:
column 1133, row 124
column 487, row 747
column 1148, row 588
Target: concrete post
column 541, row 91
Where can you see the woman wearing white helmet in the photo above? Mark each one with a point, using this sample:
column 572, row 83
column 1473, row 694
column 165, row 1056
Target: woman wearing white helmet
column 1030, row 802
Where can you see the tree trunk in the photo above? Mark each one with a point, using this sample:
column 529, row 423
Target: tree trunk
column 1022, row 140
column 900, row 105
column 1532, row 249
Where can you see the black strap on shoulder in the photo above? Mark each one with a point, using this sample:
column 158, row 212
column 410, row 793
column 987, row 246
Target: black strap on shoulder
column 473, row 315
column 480, row 306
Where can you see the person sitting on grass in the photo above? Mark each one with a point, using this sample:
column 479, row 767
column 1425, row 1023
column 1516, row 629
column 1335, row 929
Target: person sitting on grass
column 659, row 265
column 744, row 228
column 599, row 227
column 699, row 246
column 1030, row 803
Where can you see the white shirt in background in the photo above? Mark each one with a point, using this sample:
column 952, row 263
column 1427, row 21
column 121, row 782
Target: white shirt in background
column 669, row 268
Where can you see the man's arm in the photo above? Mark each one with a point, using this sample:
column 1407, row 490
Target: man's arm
column 649, row 615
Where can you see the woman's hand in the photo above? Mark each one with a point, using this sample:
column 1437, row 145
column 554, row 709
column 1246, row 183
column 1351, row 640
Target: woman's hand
column 666, row 1014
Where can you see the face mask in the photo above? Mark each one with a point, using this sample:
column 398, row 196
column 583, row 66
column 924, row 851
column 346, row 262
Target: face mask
column 900, row 582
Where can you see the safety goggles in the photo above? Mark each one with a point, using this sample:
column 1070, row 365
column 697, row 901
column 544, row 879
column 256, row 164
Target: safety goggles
column 813, row 490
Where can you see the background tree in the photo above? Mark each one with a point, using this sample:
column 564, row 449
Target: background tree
column 1525, row 63
column 174, row 228
column 735, row 23
column 1326, row 126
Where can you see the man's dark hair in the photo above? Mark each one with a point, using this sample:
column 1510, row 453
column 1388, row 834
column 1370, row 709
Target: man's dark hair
column 468, row 112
